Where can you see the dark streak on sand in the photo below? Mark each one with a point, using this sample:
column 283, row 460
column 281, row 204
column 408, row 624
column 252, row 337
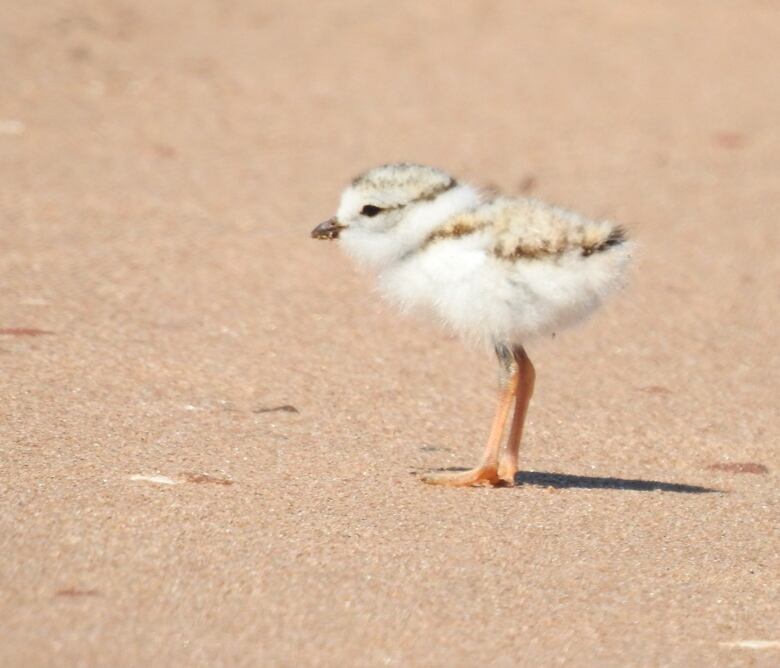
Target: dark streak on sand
column 655, row 389
column 199, row 478
column 739, row 467
column 729, row 139
column 527, row 184
column 73, row 592
column 23, row 331
column 286, row 408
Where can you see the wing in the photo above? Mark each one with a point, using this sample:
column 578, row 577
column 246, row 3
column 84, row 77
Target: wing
column 528, row 228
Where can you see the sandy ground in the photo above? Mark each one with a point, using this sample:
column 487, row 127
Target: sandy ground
column 161, row 165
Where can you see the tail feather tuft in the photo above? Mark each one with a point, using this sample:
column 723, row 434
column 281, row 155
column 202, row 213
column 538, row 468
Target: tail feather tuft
column 616, row 237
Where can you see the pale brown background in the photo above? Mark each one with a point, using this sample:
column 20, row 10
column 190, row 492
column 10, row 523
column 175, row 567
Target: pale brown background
column 161, row 165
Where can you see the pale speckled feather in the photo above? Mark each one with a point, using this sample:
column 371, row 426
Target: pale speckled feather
column 528, row 228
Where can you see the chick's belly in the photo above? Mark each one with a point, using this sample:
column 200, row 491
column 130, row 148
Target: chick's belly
column 471, row 292
column 490, row 300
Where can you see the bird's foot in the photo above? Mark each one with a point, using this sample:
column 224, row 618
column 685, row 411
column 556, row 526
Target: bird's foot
column 483, row 476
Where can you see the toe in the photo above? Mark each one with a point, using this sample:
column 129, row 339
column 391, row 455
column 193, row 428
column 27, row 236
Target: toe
column 484, row 477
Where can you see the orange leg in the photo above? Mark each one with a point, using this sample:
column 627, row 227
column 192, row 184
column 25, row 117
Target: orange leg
column 525, row 388
column 487, row 471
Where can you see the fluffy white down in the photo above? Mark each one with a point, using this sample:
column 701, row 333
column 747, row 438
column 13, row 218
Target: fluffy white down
column 483, row 298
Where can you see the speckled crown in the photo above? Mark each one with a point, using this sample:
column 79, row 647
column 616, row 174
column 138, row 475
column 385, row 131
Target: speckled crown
column 404, row 182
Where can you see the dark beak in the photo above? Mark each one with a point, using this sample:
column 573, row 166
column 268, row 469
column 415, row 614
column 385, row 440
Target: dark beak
column 328, row 230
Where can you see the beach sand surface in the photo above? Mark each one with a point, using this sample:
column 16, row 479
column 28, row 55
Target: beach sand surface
column 212, row 430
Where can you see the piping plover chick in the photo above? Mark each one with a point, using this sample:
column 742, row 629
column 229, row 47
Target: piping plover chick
column 495, row 270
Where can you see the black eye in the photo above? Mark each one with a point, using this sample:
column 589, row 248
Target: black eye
column 370, row 210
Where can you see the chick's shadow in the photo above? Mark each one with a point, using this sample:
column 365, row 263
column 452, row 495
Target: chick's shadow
column 568, row 481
